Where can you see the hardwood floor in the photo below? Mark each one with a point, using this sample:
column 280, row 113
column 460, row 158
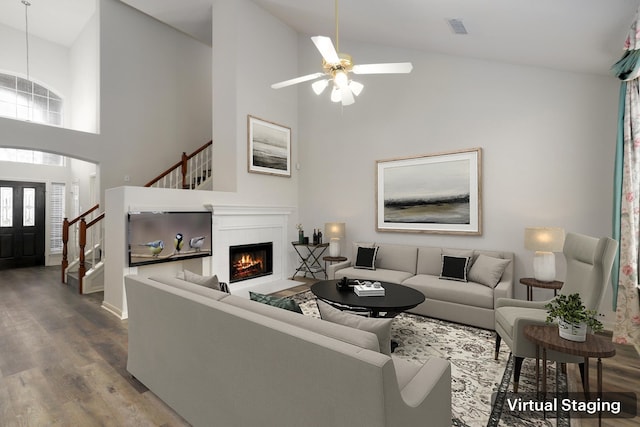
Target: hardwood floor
column 63, row 360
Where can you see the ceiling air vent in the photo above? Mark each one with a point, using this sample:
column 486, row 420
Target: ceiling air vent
column 457, row 26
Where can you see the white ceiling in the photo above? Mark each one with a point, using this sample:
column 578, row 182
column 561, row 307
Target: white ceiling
column 59, row 21
column 575, row 35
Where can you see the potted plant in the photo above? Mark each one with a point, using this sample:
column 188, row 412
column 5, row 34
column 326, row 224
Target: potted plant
column 573, row 318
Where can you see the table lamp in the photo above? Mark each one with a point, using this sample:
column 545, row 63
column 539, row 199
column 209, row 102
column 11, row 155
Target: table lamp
column 334, row 232
column 545, row 241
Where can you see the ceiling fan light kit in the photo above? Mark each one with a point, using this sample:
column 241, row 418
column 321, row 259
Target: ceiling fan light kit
column 337, row 67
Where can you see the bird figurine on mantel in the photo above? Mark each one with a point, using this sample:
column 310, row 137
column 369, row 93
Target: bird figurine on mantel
column 196, row 243
column 155, row 247
column 178, row 242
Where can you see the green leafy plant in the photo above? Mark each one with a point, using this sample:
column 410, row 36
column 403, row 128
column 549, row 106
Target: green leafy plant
column 570, row 309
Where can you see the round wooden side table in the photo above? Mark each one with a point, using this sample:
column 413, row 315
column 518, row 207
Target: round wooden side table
column 531, row 283
column 548, row 338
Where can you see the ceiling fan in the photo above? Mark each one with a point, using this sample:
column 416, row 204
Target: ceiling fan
column 336, row 68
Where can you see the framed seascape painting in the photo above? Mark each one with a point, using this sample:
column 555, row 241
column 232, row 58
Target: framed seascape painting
column 269, row 147
column 437, row 193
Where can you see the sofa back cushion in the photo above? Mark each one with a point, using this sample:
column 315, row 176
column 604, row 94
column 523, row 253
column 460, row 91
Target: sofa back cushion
column 429, row 261
column 397, row 257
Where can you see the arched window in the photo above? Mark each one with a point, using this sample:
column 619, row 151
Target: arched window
column 24, row 99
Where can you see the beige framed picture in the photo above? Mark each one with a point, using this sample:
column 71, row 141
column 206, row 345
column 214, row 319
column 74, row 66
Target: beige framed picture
column 433, row 193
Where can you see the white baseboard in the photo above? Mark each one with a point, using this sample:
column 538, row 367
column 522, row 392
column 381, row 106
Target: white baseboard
column 113, row 310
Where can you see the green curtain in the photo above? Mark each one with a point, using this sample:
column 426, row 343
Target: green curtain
column 627, row 68
column 627, row 194
column 617, row 191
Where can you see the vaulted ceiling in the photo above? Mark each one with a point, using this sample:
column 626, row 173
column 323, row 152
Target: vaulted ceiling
column 574, row 35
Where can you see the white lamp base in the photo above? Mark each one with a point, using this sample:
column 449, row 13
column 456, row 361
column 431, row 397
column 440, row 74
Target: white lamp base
column 544, row 266
column 334, row 247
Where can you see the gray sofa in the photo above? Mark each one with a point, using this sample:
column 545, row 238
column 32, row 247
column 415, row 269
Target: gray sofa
column 419, row 267
column 219, row 359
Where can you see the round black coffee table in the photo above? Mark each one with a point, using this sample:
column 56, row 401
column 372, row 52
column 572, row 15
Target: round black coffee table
column 397, row 298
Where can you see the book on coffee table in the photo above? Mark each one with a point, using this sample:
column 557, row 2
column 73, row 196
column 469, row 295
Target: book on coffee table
column 369, row 290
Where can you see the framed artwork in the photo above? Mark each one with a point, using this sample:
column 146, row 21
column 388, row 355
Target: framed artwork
column 436, row 193
column 269, row 147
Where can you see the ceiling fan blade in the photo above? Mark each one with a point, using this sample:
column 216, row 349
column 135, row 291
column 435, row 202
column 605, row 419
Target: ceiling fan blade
column 296, row 80
column 389, row 68
column 325, row 46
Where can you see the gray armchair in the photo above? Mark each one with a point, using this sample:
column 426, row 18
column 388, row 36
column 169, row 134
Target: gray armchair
column 589, row 263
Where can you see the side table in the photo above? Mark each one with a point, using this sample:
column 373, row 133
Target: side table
column 332, row 259
column 310, row 260
column 547, row 337
column 531, row 283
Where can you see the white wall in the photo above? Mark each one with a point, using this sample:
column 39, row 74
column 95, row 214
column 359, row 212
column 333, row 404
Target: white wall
column 547, row 139
column 84, row 59
column 155, row 95
column 249, row 47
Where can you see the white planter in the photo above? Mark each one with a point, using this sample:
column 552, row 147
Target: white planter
column 571, row 331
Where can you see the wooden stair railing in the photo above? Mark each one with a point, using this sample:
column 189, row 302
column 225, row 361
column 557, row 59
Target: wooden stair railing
column 66, row 224
column 187, row 173
column 82, row 242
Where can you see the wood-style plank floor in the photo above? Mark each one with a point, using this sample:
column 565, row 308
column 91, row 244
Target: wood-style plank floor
column 63, row 360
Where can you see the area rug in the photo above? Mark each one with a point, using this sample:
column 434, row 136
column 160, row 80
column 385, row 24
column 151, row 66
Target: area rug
column 478, row 381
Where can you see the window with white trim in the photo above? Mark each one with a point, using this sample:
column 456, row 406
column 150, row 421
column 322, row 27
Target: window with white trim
column 56, row 216
column 24, row 99
column 31, row 156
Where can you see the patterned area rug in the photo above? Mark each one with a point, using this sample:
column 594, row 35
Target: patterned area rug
column 476, row 376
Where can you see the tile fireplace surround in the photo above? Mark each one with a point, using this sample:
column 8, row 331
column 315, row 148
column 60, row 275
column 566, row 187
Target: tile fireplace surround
column 247, row 225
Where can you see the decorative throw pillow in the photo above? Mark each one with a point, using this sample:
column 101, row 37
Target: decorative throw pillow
column 366, row 258
column 461, row 253
column 454, row 268
column 286, row 303
column 208, row 281
column 379, row 326
column 488, row 270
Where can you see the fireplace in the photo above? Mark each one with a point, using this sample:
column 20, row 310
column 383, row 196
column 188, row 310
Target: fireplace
column 250, row 261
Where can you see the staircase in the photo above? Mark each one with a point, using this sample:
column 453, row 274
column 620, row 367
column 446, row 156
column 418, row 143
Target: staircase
column 85, row 273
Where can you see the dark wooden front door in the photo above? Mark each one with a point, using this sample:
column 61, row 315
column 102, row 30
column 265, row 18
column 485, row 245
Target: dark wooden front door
column 22, row 215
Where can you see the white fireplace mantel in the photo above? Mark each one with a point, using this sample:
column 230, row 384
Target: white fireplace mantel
column 242, row 225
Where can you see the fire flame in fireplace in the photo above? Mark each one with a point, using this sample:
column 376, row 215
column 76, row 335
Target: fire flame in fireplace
column 248, row 261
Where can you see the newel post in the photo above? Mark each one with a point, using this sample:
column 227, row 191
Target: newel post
column 82, row 242
column 65, row 240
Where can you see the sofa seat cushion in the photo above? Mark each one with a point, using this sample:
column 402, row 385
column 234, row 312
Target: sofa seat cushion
column 379, row 274
column 363, row 339
column 506, row 316
column 465, row 293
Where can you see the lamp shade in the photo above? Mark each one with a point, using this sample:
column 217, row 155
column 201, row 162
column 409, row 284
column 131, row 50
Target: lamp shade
column 334, row 229
column 544, row 239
